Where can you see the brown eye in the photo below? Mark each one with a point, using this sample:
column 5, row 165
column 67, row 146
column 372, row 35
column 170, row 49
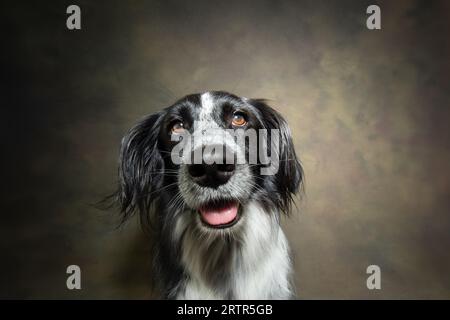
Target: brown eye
column 239, row 119
column 177, row 127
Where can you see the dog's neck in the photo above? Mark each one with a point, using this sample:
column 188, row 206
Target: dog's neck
column 254, row 263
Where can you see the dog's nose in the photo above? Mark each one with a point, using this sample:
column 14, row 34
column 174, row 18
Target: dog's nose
column 211, row 175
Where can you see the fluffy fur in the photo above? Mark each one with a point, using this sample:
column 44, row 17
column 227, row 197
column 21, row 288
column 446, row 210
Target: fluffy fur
column 247, row 260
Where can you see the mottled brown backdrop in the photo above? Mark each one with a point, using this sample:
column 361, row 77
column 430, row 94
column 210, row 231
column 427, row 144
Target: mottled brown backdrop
column 369, row 112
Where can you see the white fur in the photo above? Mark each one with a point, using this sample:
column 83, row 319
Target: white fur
column 259, row 270
column 207, row 101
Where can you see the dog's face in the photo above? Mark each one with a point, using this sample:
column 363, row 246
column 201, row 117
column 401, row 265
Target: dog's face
column 206, row 157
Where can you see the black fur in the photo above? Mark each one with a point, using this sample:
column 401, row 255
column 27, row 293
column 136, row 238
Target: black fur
column 148, row 178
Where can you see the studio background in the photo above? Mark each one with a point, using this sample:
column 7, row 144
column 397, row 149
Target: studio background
column 369, row 113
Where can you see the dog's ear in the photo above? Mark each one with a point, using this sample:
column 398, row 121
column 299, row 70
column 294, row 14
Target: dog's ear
column 140, row 167
column 289, row 176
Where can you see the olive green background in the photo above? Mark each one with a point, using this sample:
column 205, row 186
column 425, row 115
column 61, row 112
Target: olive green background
column 369, row 113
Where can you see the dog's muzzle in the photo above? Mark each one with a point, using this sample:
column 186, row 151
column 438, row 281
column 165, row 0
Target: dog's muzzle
column 215, row 185
column 212, row 175
column 213, row 172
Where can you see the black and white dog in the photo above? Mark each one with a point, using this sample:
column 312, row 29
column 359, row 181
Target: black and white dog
column 216, row 221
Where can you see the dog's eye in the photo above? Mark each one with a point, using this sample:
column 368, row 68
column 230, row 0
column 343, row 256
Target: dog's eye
column 239, row 119
column 177, row 127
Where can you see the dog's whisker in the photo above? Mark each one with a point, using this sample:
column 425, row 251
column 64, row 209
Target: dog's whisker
column 219, row 234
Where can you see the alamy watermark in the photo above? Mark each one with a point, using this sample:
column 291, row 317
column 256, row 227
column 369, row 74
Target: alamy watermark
column 373, row 22
column 73, row 21
column 229, row 146
column 374, row 280
column 74, row 280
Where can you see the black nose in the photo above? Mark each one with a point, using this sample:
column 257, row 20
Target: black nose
column 211, row 175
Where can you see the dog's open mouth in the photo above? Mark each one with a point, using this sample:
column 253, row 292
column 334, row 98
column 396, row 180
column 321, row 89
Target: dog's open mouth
column 223, row 214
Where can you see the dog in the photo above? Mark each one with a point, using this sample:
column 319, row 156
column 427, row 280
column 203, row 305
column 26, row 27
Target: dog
column 216, row 222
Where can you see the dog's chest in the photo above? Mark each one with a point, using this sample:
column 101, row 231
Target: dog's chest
column 258, row 267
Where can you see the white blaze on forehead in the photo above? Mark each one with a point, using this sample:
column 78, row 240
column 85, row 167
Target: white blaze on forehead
column 205, row 119
column 207, row 101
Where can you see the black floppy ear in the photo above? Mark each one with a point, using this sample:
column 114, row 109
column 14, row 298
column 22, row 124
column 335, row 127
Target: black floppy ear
column 140, row 167
column 289, row 176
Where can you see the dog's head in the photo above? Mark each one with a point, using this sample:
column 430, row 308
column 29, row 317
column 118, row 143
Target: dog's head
column 208, row 156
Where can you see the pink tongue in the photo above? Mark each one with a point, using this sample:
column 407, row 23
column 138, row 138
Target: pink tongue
column 218, row 216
